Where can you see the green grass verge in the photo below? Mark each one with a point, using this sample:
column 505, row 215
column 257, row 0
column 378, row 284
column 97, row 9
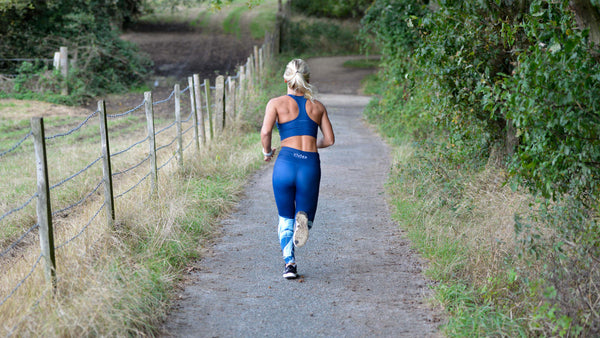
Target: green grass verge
column 362, row 63
column 440, row 207
column 471, row 312
column 231, row 24
column 262, row 22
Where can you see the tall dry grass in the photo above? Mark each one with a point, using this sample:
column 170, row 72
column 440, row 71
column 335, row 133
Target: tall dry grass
column 119, row 281
column 464, row 223
column 115, row 281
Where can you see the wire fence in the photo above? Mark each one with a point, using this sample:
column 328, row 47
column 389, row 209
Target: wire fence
column 76, row 193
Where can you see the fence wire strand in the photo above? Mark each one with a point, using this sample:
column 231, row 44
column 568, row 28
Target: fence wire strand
column 82, row 229
column 76, row 174
column 80, row 201
column 129, row 148
column 22, row 280
column 188, row 145
column 15, row 243
column 18, row 208
column 165, row 100
column 189, row 117
column 186, row 131
column 169, row 160
column 127, row 112
column 131, row 168
column 165, row 128
column 166, row 145
column 13, row 148
column 133, row 187
column 74, row 129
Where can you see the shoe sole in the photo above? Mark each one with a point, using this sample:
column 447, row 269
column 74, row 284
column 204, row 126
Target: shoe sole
column 301, row 229
column 290, row 275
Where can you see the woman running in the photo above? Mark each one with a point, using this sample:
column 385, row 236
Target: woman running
column 297, row 171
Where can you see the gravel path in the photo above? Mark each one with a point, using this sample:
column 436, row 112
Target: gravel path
column 359, row 276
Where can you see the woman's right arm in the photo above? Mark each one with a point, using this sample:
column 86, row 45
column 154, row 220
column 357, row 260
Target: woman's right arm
column 267, row 130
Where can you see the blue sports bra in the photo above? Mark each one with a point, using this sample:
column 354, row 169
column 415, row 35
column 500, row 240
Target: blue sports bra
column 301, row 125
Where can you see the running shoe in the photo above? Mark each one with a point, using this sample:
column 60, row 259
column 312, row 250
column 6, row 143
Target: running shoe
column 290, row 271
column 301, row 229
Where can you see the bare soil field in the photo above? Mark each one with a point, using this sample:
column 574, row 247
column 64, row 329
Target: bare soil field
column 178, row 50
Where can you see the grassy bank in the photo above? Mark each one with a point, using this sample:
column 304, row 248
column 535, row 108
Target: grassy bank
column 234, row 17
column 121, row 281
column 490, row 247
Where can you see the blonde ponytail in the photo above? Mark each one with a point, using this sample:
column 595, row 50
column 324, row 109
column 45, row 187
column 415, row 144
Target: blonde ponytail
column 297, row 76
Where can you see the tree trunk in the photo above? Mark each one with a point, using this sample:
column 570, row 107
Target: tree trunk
column 588, row 16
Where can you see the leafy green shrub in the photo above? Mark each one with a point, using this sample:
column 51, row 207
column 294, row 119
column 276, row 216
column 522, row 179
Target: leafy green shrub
column 36, row 78
column 391, row 24
column 102, row 62
column 517, row 84
column 553, row 98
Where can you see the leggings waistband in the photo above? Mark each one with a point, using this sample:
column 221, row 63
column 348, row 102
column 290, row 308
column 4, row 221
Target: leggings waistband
column 295, row 154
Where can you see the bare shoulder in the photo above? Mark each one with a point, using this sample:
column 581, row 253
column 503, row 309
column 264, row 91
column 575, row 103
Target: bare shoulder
column 277, row 101
column 319, row 105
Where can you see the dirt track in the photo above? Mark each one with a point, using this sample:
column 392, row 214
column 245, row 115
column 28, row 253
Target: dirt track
column 359, row 276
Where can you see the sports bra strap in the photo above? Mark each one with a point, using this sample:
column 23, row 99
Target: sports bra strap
column 301, row 125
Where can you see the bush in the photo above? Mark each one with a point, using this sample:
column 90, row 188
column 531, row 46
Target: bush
column 514, row 84
column 90, row 29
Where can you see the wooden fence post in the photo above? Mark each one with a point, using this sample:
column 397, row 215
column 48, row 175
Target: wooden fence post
column 109, row 200
column 261, row 63
column 230, row 98
column 199, row 108
column 44, row 211
column 249, row 73
column 194, row 112
column 220, row 103
column 178, row 125
column 56, row 61
column 151, row 140
column 242, row 82
column 256, row 63
column 64, row 69
column 209, row 109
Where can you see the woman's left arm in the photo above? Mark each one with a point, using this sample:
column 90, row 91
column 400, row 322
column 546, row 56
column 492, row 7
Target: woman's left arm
column 327, row 130
column 267, row 130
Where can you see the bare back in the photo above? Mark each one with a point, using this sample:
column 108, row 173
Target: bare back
column 284, row 109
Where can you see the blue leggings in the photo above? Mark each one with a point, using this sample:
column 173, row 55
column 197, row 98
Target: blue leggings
column 296, row 179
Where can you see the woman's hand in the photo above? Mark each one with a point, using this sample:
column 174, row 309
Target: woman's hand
column 268, row 156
